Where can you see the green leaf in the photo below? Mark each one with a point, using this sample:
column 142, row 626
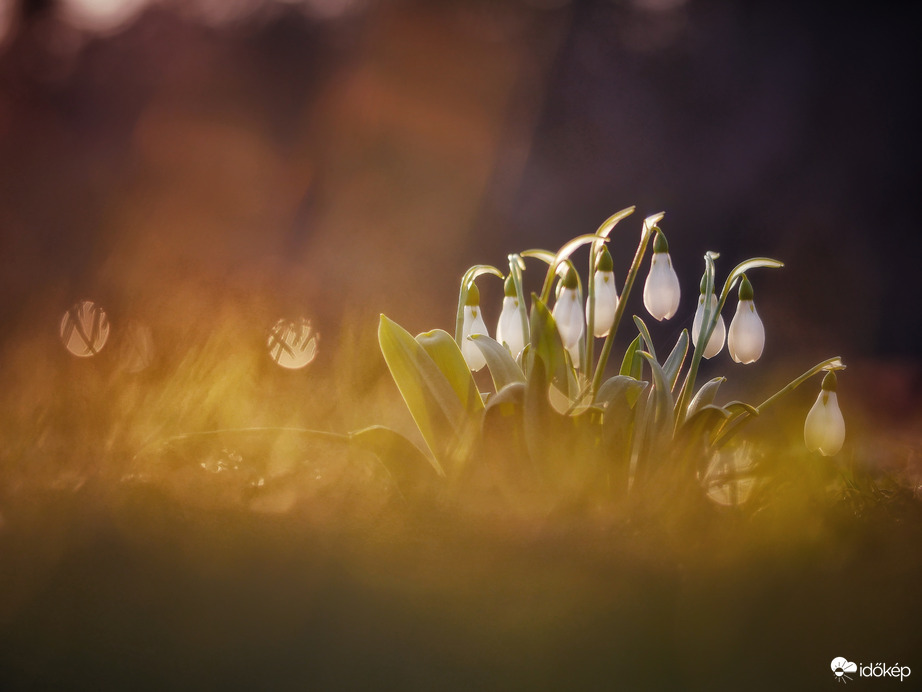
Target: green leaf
column 403, row 459
column 663, row 392
column 620, row 387
column 503, row 368
column 632, row 365
column 546, row 345
column 433, row 403
column 447, row 356
column 705, row 395
column 645, row 333
column 673, row 365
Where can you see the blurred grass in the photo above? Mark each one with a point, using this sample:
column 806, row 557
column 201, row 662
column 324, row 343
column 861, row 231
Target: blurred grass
column 130, row 559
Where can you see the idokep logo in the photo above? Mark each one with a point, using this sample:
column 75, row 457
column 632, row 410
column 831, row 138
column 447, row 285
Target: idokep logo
column 841, row 667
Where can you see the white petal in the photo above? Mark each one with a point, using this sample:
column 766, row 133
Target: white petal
column 574, row 354
column 661, row 291
column 747, row 334
column 568, row 314
column 716, row 342
column 824, row 429
column 473, row 324
column 509, row 328
column 606, row 303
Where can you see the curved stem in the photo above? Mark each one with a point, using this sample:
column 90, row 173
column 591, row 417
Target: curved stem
column 649, row 224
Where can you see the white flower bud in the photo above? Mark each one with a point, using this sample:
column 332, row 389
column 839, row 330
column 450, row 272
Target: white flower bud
column 509, row 327
column 473, row 324
column 824, row 428
column 606, row 302
column 568, row 314
column 747, row 335
column 716, row 342
column 661, row 290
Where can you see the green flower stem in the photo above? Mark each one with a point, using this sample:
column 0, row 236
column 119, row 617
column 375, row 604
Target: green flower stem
column 466, row 282
column 516, row 267
column 602, row 233
column 648, row 225
column 708, row 322
column 590, row 312
column 724, row 436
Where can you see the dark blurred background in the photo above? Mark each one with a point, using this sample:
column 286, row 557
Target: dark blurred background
column 341, row 158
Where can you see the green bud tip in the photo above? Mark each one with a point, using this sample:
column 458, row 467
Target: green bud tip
column 829, row 382
column 702, row 287
column 659, row 242
column 570, row 279
column 604, row 264
column 473, row 295
column 509, row 287
column 745, row 289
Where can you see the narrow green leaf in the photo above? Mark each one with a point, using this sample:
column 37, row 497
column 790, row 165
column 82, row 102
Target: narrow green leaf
column 631, row 365
column 645, row 333
column 705, row 395
column 621, row 387
column 546, row 344
column 673, row 365
column 433, row 403
column 663, row 392
column 503, row 368
column 403, row 459
column 447, row 356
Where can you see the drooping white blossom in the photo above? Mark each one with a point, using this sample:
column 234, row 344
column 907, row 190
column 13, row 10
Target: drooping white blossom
column 568, row 314
column 661, row 290
column 509, row 328
column 716, row 342
column 473, row 324
column 606, row 296
column 746, row 337
column 824, row 428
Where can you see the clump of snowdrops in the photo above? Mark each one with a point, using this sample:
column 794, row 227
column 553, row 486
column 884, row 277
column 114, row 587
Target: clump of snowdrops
column 558, row 411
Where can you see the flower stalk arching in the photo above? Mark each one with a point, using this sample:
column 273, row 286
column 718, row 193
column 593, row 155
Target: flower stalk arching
column 602, row 233
column 649, row 225
column 829, row 365
column 466, row 282
column 709, row 320
column 516, row 268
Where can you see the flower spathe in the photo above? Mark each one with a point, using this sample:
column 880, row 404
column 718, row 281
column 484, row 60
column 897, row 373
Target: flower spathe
column 473, row 324
column 824, row 428
column 568, row 314
column 509, row 328
column 716, row 342
column 661, row 290
column 746, row 337
column 606, row 296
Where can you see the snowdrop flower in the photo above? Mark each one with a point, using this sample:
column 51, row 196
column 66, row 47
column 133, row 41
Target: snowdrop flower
column 747, row 335
column 473, row 324
column 824, row 429
column 509, row 329
column 716, row 342
column 568, row 314
column 661, row 291
column 606, row 295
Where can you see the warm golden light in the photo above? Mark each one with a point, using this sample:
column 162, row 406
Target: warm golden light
column 84, row 329
column 293, row 345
